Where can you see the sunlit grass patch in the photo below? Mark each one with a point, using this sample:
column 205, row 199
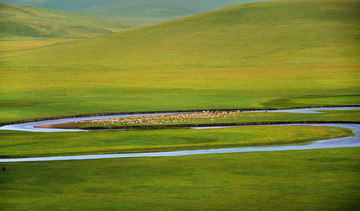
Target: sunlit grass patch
column 326, row 179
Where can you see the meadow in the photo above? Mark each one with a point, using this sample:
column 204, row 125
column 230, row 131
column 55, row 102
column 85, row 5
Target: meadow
column 260, row 55
column 20, row 44
column 324, row 179
column 273, row 54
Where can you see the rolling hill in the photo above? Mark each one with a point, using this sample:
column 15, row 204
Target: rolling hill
column 275, row 54
column 28, row 21
column 140, row 12
column 14, row 1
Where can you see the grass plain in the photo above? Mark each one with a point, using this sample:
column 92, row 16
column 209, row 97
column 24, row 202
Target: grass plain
column 324, row 179
column 275, row 54
column 26, row 44
column 259, row 55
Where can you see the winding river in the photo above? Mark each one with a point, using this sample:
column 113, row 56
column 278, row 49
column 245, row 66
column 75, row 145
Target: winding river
column 321, row 144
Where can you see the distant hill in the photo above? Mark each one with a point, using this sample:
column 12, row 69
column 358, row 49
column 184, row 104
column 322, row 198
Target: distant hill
column 273, row 32
column 42, row 22
column 140, row 12
column 14, row 1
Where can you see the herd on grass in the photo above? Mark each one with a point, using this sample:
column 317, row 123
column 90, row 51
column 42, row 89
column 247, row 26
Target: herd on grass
column 162, row 119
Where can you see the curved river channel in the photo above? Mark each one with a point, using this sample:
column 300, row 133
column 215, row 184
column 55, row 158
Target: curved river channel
column 321, row 144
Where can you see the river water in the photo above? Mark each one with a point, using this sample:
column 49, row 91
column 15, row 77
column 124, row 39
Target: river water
column 321, row 144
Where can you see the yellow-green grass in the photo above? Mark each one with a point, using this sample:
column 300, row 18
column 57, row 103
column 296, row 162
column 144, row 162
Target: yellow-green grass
column 215, row 118
column 24, row 21
column 269, row 54
column 28, row 144
column 17, row 45
column 326, row 179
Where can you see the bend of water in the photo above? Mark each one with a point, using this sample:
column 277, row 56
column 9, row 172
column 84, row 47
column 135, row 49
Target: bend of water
column 322, row 144
column 32, row 126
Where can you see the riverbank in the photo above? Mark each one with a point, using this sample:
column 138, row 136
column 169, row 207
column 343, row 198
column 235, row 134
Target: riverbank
column 171, row 111
column 158, row 143
column 24, row 144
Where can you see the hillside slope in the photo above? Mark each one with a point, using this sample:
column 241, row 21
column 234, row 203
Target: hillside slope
column 140, row 12
column 278, row 33
column 40, row 22
column 276, row 54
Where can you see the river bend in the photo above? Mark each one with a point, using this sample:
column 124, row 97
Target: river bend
column 321, row 144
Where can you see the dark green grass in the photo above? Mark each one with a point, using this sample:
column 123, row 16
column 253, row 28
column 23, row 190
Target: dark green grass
column 326, row 179
column 27, row 144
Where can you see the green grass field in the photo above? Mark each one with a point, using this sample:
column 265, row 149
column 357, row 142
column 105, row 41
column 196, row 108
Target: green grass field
column 259, row 55
column 326, row 179
column 26, row 44
column 273, row 54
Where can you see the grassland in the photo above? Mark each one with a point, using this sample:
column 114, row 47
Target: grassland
column 260, row 55
column 28, row 144
column 24, row 22
column 27, row 44
column 295, row 180
column 278, row 54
